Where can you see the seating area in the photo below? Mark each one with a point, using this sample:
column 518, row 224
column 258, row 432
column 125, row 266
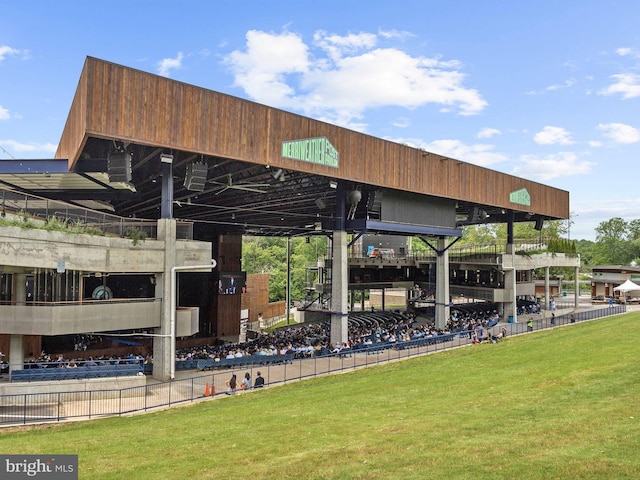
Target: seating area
column 77, row 373
column 369, row 332
column 475, row 309
column 425, row 341
column 251, row 360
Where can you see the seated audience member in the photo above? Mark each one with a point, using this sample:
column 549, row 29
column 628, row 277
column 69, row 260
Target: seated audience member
column 231, row 385
column 246, row 382
column 499, row 336
column 259, row 381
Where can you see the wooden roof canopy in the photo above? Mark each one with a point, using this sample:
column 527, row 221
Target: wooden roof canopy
column 250, row 187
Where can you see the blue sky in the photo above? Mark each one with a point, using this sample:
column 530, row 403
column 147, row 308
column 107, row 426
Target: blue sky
column 546, row 90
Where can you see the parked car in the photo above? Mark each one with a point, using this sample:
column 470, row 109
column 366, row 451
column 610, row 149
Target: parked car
column 600, row 299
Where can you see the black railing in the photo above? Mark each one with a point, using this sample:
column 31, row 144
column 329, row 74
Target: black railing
column 23, row 207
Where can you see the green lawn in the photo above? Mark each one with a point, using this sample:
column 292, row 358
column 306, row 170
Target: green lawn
column 551, row 404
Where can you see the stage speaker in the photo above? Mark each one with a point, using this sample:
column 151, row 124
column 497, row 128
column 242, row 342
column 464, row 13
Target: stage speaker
column 320, row 203
column 196, row 176
column 119, row 167
column 539, row 224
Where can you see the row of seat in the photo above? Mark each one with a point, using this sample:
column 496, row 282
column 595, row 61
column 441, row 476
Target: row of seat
column 210, row 363
column 424, row 341
column 79, row 373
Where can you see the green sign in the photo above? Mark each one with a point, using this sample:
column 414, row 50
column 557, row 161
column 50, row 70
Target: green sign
column 521, row 197
column 313, row 150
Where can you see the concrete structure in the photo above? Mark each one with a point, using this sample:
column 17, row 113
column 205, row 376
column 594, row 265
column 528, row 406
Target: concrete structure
column 57, row 266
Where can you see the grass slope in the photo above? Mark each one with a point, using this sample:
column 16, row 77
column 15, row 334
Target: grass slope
column 552, row 404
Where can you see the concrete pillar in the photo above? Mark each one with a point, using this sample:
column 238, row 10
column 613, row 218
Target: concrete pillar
column 20, row 288
column 16, row 352
column 16, row 341
column 510, row 306
column 546, row 288
column 339, row 286
column 162, row 344
column 442, row 284
column 576, row 296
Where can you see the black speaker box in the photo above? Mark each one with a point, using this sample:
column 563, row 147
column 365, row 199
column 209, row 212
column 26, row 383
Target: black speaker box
column 119, row 167
column 195, row 176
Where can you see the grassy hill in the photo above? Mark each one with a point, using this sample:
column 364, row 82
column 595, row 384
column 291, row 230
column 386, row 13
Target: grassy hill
column 563, row 403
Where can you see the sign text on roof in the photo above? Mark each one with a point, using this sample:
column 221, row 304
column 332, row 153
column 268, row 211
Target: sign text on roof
column 313, row 150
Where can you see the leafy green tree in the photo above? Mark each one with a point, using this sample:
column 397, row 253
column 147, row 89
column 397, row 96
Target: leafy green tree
column 269, row 255
column 489, row 233
column 586, row 249
column 634, row 237
column 480, row 234
column 612, row 244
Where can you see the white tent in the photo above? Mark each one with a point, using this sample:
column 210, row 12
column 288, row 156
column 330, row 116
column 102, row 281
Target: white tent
column 628, row 286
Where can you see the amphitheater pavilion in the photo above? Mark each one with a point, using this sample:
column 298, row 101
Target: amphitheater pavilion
column 141, row 146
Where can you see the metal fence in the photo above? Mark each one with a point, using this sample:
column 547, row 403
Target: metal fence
column 35, row 408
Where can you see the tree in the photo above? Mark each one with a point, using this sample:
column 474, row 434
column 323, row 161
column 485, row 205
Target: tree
column 269, row 255
column 612, row 244
column 497, row 232
column 586, row 249
column 480, row 234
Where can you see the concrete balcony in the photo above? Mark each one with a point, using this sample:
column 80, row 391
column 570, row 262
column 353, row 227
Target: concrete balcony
column 72, row 318
column 33, row 248
column 539, row 260
column 493, row 294
column 187, row 321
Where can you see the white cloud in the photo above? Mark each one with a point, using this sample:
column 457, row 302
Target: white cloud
column 626, row 84
column 595, row 143
column 553, row 136
column 15, row 147
column 395, row 34
column 624, row 51
column 557, row 86
column 478, row 154
column 6, row 51
column 4, row 113
column 167, row 64
column 488, row 132
column 261, row 70
column 338, row 46
column 620, row 133
column 345, row 76
column 545, row 168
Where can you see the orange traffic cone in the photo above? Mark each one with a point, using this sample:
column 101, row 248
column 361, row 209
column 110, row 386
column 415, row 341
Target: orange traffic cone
column 207, row 391
column 213, row 389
